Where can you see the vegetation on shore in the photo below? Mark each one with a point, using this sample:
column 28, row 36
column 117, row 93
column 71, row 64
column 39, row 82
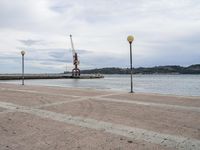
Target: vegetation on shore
column 193, row 69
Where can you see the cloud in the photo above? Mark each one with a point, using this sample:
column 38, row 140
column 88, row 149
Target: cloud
column 166, row 32
column 31, row 42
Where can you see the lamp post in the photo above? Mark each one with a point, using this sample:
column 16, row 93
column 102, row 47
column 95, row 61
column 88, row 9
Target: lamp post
column 130, row 39
column 23, row 53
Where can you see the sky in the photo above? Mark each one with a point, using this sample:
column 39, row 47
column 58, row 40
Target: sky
column 166, row 32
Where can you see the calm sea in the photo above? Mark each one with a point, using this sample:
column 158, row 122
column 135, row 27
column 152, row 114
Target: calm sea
column 186, row 85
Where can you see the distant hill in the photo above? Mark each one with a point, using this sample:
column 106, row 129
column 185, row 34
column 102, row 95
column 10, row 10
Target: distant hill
column 193, row 69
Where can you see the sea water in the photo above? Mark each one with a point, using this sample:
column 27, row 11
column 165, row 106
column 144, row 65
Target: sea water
column 186, row 85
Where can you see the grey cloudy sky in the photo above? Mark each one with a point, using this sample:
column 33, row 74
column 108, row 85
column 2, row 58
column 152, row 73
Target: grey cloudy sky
column 167, row 32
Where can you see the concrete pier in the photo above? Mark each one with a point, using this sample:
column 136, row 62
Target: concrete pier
column 42, row 117
column 47, row 76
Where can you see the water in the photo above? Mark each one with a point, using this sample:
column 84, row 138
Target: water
column 186, row 85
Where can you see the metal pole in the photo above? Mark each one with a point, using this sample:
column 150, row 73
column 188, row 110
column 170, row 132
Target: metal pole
column 131, row 67
column 22, row 69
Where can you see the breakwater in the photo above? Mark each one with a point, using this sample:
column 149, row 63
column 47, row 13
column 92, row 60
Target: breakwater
column 47, row 76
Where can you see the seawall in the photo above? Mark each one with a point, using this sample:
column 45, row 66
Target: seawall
column 47, row 76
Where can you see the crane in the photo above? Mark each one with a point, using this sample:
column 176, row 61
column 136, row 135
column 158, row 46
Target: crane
column 76, row 70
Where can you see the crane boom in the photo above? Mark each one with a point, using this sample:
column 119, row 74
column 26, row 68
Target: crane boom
column 72, row 44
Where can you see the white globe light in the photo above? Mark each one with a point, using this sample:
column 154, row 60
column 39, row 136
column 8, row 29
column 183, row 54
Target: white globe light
column 23, row 52
column 130, row 38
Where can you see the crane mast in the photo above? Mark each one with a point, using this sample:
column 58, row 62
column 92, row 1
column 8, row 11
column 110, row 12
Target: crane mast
column 76, row 70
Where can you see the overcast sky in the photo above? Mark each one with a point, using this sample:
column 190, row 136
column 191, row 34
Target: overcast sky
column 167, row 32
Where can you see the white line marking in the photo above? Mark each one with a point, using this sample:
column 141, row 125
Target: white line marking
column 190, row 108
column 59, row 103
column 178, row 142
column 47, row 93
column 71, row 101
column 111, row 94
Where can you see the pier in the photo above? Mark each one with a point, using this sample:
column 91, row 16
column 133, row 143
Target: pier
column 48, row 76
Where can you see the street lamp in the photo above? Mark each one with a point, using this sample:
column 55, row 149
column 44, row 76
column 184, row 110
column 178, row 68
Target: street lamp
column 130, row 39
column 23, row 53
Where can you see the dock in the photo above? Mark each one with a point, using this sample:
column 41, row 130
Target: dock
column 48, row 76
column 50, row 118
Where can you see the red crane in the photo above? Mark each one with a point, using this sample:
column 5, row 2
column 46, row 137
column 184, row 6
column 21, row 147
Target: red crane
column 76, row 62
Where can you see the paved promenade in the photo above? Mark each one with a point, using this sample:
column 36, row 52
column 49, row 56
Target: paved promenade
column 56, row 118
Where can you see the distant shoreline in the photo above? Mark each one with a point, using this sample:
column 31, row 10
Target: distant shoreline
column 193, row 69
column 157, row 70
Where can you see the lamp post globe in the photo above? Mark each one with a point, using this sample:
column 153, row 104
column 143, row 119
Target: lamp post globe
column 130, row 38
column 23, row 52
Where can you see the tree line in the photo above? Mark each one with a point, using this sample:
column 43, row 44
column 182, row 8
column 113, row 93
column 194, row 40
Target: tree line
column 171, row 69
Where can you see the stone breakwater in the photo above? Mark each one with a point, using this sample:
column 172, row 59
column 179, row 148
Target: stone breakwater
column 46, row 76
